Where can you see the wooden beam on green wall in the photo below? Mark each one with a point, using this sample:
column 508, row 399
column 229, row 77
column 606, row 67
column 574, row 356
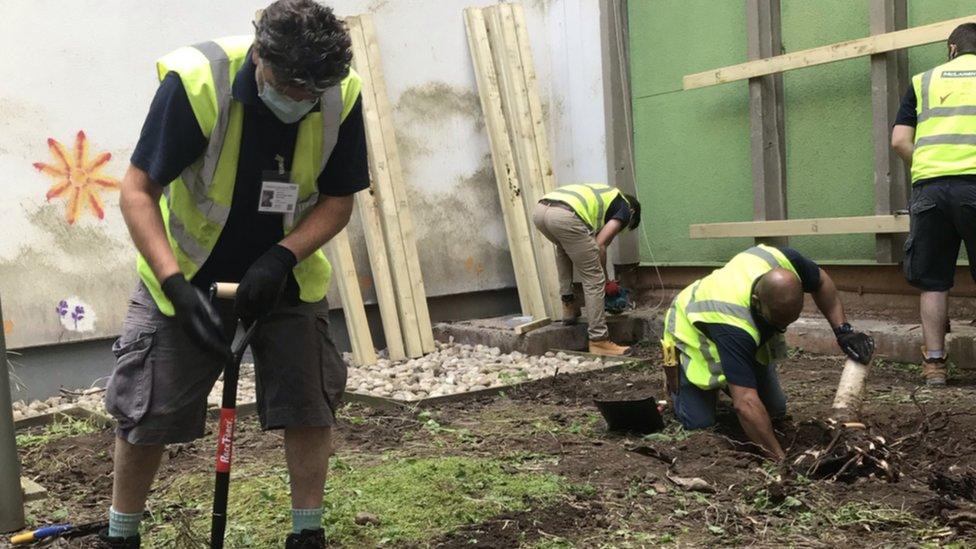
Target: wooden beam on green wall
column 767, row 132
column 868, row 224
column 889, row 79
column 916, row 36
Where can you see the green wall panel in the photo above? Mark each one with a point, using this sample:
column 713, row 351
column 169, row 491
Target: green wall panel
column 829, row 148
column 672, row 38
column 692, row 148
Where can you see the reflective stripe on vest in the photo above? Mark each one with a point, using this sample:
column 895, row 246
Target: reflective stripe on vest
column 945, row 135
column 589, row 200
column 196, row 206
column 723, row 297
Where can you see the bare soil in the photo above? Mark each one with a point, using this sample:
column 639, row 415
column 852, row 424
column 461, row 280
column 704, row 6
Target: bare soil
column 627, row 490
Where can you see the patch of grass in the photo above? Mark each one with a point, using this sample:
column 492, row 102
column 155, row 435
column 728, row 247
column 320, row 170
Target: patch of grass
column 432, row 426
column 513, row 378
column 674, row 432
column 859, row 513
column 585, row 425
column 63, row 426
column 414, row 500
column 906, row 367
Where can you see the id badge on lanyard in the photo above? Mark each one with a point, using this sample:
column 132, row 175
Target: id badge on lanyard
column 278, row 193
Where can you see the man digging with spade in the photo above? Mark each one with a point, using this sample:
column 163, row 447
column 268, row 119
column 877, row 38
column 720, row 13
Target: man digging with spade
column 246, row 166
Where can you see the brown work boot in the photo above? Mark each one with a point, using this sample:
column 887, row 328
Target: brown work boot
column 606, row 347
column 935, row 372
column 571, row 311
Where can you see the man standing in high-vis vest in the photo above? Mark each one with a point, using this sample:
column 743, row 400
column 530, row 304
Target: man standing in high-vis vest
column 246, row 166
column 935, row 132
column 725, row 332
column 582, row 220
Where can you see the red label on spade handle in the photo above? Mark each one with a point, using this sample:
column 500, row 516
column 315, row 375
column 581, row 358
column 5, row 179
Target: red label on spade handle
column 225, row 439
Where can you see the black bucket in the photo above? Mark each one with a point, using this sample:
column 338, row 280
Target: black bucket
column 631, row 416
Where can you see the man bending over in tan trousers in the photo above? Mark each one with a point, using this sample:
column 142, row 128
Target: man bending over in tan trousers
column 582, row 220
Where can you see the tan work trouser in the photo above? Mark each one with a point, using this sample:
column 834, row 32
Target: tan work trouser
column 576, row 246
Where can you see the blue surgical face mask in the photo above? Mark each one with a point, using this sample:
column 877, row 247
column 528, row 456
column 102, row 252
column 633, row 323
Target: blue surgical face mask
column 285, row 108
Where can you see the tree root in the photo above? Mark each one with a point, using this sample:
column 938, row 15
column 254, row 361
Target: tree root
column 853, row 451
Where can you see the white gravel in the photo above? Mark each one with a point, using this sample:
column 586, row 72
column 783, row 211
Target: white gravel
column 453, row 368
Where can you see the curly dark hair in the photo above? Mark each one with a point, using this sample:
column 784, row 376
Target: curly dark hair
column 304, row 43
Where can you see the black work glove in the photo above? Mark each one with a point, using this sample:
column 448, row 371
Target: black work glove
column 197, row 316
column 857, row 345
column 263, row 283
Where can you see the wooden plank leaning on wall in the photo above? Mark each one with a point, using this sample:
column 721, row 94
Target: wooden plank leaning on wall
column 523, row 133
column 370, row 212
column 506, row 171
column 407, row 289
column 344, row 269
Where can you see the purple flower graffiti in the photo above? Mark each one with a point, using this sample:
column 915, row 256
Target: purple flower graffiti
column 71, row 313
column 78, row 314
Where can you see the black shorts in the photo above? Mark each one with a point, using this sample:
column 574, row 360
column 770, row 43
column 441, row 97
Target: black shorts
column 943, row 213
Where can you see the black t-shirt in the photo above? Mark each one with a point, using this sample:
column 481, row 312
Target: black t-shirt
column 736, row 348
column 908, row 116
column 171, row 140
column 618, row 209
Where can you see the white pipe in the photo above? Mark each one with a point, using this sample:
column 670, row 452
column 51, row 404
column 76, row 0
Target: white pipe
column 850, row 391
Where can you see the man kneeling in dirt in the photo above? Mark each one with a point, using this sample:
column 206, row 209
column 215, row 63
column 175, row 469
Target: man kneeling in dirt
column 726, row 331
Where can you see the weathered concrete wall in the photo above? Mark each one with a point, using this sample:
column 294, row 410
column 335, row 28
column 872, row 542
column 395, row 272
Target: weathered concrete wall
column 90, row 68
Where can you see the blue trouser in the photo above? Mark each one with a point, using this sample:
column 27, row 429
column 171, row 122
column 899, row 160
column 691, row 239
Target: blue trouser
column 695, row 407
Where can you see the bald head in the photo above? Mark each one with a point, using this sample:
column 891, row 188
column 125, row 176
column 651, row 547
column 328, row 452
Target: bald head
column 780, row 295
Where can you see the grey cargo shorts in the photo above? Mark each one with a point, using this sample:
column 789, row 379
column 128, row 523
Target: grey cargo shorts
column 158, row 391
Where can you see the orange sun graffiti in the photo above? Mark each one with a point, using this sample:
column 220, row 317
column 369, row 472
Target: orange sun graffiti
column 77, row 178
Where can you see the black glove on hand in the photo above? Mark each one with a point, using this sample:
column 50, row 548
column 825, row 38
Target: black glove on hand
column 197, row 316
column 263, row 283
column 857, row 345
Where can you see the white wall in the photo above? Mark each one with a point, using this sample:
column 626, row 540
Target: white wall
column 88, row 65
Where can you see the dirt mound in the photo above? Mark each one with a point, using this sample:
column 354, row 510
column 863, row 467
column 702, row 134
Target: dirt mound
column 518, row 529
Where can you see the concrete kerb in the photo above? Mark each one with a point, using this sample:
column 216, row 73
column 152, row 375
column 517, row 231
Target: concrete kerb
column 896, row 342
column 498, row 332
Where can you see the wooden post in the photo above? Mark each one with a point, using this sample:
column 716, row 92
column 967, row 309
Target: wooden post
column 382, row 259
column 382, row 278
column 506, row 176
column 515, row 104
column 889, row 79
column 379, row 169
column 766, row 117
column 11, row 497
column 344, row 269
column 398, row 189
column 618, row 116
column 535, row 104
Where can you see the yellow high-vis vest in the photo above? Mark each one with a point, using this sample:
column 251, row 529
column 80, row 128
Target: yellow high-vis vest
column 196, row 205
column 722, row 297
column 945, row 135
column 589, row 200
